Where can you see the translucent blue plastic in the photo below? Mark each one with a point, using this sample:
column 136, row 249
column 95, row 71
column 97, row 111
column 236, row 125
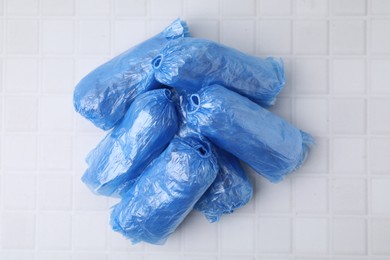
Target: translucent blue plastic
column 145, row 131
column 266, row 142
column 191, row 63
column 166, row 192
column 104, row 95
column 230, row 190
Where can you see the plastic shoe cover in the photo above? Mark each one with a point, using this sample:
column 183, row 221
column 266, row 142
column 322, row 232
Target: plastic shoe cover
column 267, row 143
column 145, row 131
column 166, row 192
column 104, row 95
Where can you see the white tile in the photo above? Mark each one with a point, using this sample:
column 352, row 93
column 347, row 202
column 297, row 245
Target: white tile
column 89, row 231
column 156, row 26
column 199, row 235
column 130, row 7
column 196, row 8
column 311, row 37
column 17, row 255
column 310, row 194
column 21, row 152
column 93, row 7
column 163, row 257
column 57, row 36
column 57, row 7
column 200, row 258
column 311, row 115
column 348, row 37
column 89, row 256
column 349, row 7
column 349, row 76
column 119, row 243
column 347, row 150
column 273, row 198
column 274, row 235
column 50, row 255
column 380, row 7
column 380, row 192
column 85, row 126
column 166, row 8
column 20, row 113
column 380, row 37
column 380, row 154
column 241, row 257
column 202, row 28
column 282, row 108
column 19, row 192
column 311, row 76
column 22, row 36
column 55, row 152
column 312, row 7
column 22, row 7
column 173, row 244
column 274, row 36
column 237, row 234
column 14, row 82
column 56, row 113
column 58, row 75
column 378, row 115
column 380, row 236
column 311, row 235
column 349, row 196
column 123, row 30
column 317, row 161
column 54, row 230
column 274, row 7
column 55, row 192
column 18, row 230
column 379, row 76
column 86, row 200
column 349, row 116
column 239, row 8
column 233, row 31
column 95, row 37
column 349, row 236
column 125, row 256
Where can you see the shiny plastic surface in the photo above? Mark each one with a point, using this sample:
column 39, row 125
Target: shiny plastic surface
column 230, row 190
column 145, row 131
column 104, row 95
column 192, row 63
column 266, row 142
column 166, row 192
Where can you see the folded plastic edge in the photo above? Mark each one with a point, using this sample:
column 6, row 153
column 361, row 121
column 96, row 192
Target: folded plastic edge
column 278, row 66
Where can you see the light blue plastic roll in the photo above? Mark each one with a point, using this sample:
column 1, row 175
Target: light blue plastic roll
column 191, row 63
column 166, row 192
column 145, row 131
column 267, row 143
column 104, row 95
column 230, row 190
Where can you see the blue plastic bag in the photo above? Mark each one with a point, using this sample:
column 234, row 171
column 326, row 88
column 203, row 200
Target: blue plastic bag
column 166, row 192
column 192, row 63
column 230, row 190
column 104, row 95
column 266, row 142
column 145, row 131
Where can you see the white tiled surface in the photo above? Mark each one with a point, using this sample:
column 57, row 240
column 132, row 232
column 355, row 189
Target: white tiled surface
column 337, row 54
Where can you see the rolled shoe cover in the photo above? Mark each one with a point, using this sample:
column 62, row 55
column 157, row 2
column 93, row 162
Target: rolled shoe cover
column 104, row 95
column 166, row 192
column 267, row 143
column 230, row 190
column 192, row 63
column 145, row 131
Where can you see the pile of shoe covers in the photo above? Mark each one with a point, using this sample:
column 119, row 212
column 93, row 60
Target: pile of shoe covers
column 181, row 114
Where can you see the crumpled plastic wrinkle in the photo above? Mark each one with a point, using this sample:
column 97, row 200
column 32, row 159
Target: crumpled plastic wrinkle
column 267, row 143
column 230, row 190
column 104, row 95
column 192, row 63
column 145, row 131
column 166, row 192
